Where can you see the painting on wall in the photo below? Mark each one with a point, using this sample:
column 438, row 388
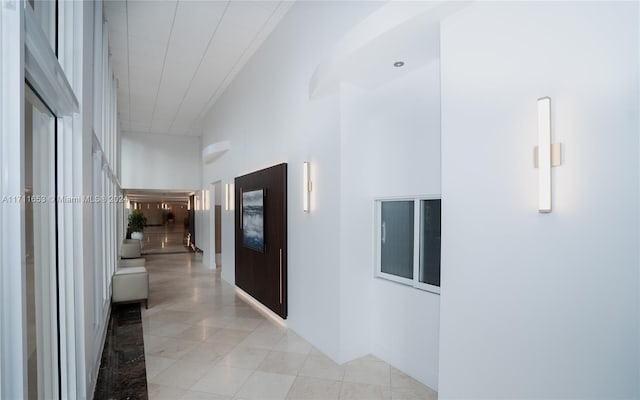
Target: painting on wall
column 253, row 220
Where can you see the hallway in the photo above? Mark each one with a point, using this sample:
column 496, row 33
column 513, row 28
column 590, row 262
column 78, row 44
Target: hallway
column 166, row 239
column 202, row 341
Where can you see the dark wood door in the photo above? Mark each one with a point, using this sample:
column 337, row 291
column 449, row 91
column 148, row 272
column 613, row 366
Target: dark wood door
column 261, row 236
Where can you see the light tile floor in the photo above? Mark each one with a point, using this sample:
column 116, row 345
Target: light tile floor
column 202, row 341
column 164, row 239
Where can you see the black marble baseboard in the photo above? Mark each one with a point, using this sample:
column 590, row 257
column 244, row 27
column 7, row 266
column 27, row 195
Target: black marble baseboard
column 122, row 368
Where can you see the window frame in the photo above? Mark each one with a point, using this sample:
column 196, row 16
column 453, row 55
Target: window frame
column 378, row 273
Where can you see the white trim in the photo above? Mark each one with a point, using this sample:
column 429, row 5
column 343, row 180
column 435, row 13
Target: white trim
column 426, row 287
column 2, row 327
column 98, row 276
column 43, row 150
column 416, row 242
column 67, row 295
column 97, row 70
column 13, row 368
column 43, row 71
column 2, row 113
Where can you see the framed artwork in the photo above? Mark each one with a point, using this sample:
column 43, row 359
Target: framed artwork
column 253, row 220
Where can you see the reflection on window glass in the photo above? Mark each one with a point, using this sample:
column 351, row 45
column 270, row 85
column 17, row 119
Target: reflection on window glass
column 45, row 13
column 397, row 238
column 430, row 242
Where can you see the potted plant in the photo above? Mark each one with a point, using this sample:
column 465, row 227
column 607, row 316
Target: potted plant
column 137, row 221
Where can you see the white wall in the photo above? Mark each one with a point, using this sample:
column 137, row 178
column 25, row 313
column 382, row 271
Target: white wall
column 170, row 162
column 361, row 144
column 205, row 223
column 390, row 146
column 534, row 305
column 267, row 115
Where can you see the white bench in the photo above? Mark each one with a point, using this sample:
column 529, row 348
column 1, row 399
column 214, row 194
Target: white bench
column 130, row 248
column 131, row 285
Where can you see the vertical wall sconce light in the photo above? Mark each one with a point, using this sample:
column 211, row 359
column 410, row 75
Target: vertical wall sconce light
column 306, row 186
column 205, row 200
column 547, row 155
column 228, row 196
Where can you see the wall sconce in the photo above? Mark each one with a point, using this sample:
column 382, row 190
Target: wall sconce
column 228, row 196
column 547, row 155
column 206, row 200
column 306, row 185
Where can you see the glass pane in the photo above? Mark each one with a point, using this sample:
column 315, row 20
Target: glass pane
column 45, row 12
column 397, row 238
column 430, row 242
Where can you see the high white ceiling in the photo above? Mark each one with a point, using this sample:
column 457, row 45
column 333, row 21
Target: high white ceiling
column 173, row 59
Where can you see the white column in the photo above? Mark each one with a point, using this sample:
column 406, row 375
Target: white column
column 13, row 369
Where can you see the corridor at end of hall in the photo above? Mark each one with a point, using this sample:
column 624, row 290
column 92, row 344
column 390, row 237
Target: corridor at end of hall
column 203, row 341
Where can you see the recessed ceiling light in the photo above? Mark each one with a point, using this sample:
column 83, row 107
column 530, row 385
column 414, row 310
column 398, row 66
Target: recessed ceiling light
column 398, row 64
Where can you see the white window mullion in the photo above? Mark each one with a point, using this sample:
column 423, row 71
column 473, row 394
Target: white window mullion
column 416, row 242
column 66, row 39
column 112, row 260
column 103, row 217
column 97, row 277
column 13, row 369
column 378, row 238
column 105, row 89
column 65, row 261
column 1, row 246
column 97, row 68
column 110, row 114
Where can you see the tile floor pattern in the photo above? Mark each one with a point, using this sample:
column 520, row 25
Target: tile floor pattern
column 202, row 341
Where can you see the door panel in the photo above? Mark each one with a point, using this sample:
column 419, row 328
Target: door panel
column 261, row 265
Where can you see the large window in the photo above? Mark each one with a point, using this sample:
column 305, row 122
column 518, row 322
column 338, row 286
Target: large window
column 408, row 241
